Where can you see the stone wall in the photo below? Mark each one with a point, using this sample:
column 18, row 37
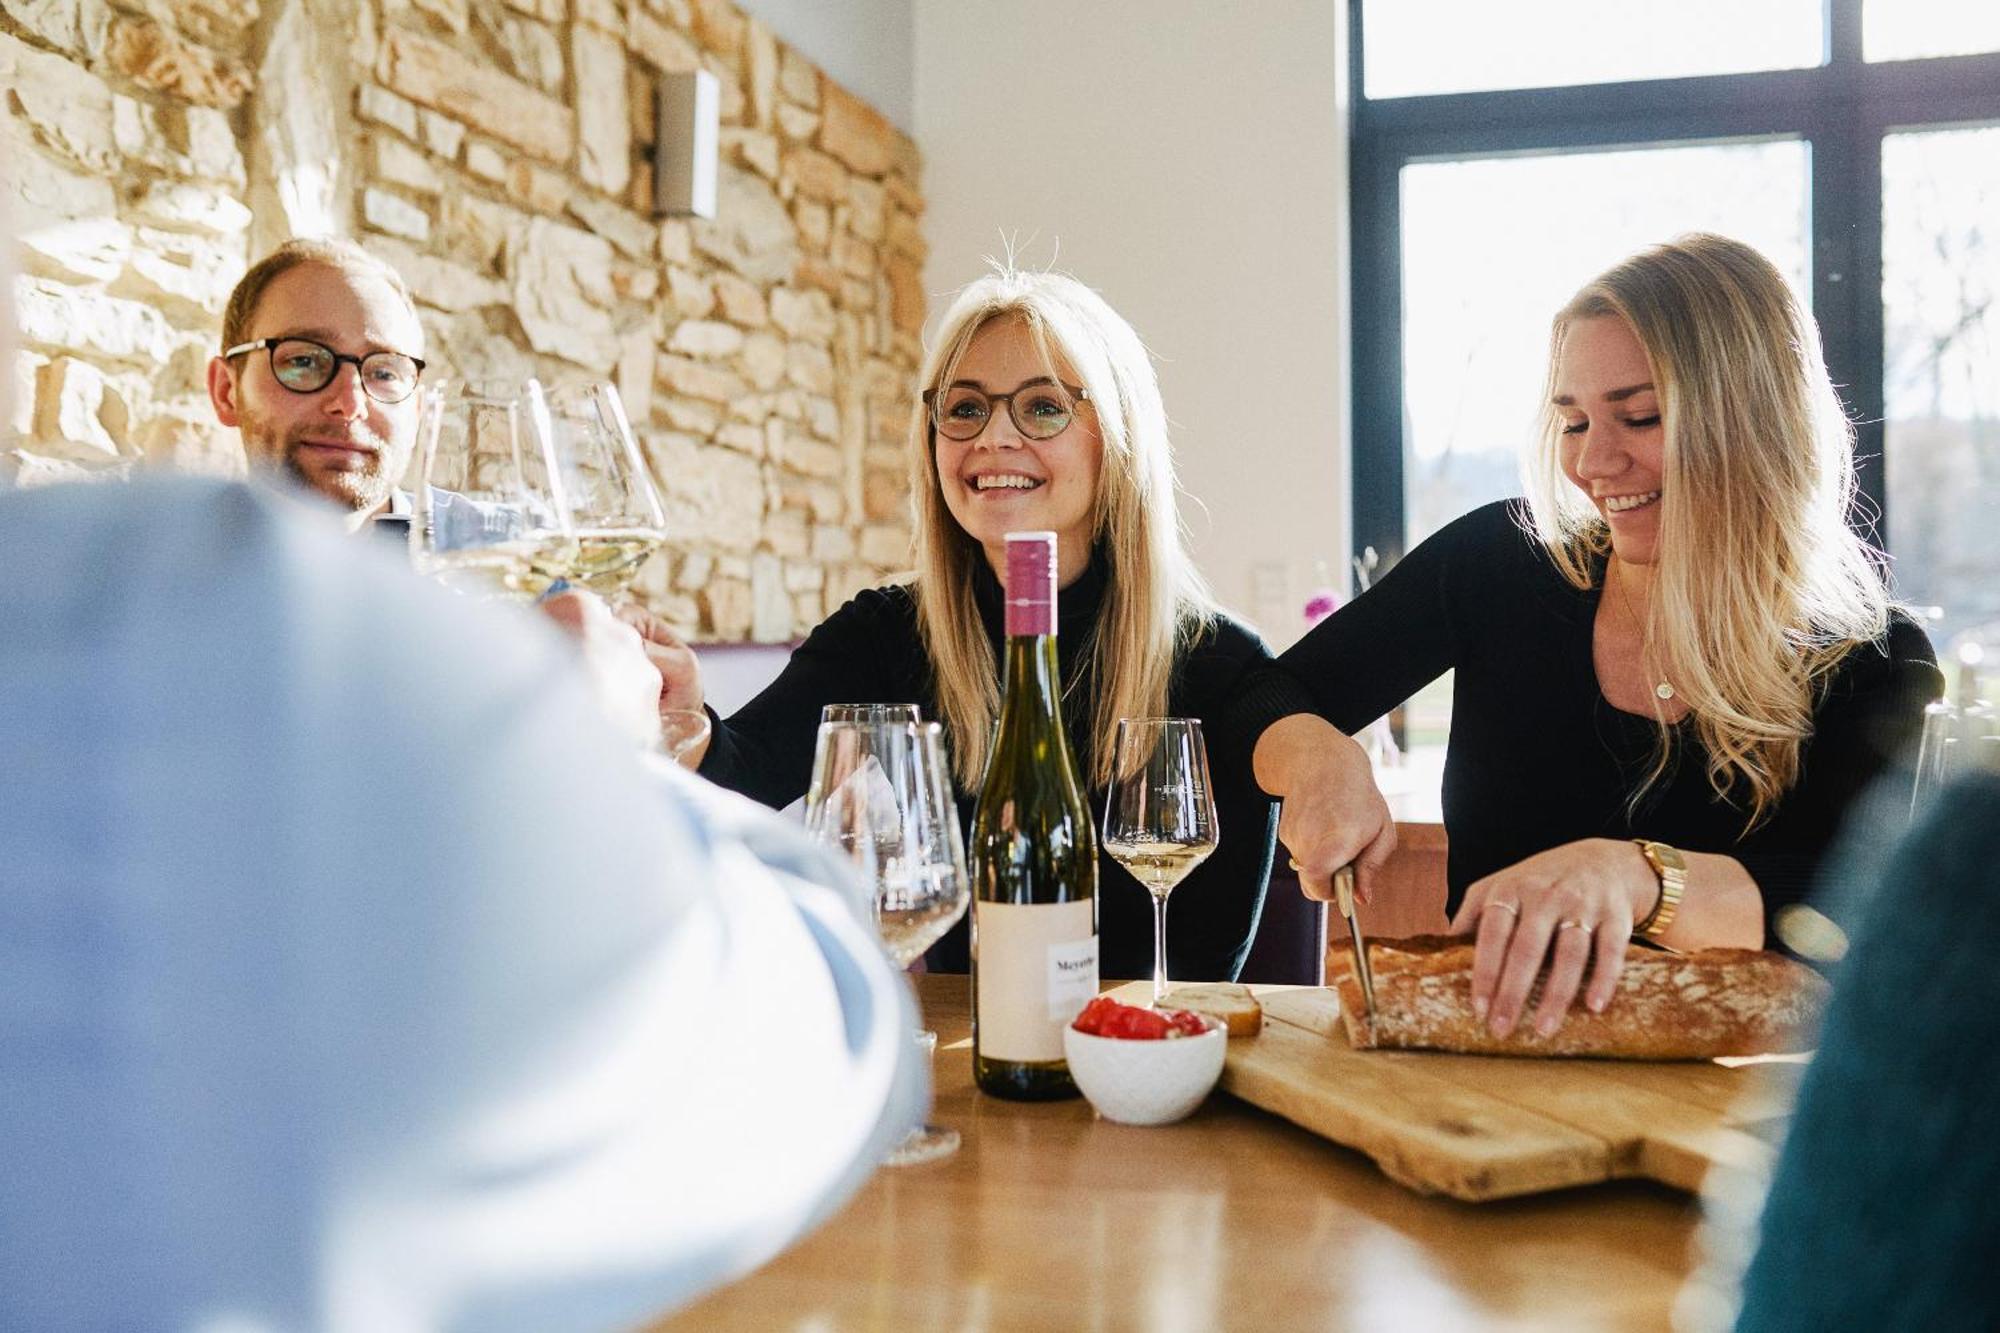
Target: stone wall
column 498, row 153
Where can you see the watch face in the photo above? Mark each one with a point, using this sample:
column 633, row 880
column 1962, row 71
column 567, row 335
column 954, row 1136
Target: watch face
column 1662, row 857
column 1668, row 867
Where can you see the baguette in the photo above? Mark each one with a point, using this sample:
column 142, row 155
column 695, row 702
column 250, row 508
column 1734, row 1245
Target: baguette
column 1227, row 1003
column 1668, row 1006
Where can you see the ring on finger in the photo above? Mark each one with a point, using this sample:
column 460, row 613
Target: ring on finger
column 1573, row 924
column 1515, row 908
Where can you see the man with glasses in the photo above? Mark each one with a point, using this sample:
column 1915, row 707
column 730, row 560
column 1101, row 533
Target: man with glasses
column 319, row 369
column 321, row 356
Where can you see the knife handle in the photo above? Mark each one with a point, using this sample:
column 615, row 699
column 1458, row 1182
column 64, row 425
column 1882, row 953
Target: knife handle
column 1343, row 890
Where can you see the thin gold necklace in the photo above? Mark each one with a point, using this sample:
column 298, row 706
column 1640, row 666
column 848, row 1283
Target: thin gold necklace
column 1664, row 689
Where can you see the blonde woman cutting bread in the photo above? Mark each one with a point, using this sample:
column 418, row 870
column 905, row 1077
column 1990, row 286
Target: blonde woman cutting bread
column 1675, row 664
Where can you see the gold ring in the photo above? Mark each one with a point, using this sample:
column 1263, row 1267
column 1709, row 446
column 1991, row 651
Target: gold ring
column 1515, row 908
column 1293, row 862
column 1574, row 925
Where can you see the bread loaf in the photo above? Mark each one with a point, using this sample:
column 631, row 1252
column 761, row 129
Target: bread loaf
column 1668, row 1006
column 1226, row 1002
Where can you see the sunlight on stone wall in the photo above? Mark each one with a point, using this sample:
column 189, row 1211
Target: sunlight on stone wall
column 498, row 153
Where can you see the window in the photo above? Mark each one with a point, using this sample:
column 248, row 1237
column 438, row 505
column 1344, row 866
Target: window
column 1921, row 29
column 1856, row 142
column 1941, row 365
column 1561, row 43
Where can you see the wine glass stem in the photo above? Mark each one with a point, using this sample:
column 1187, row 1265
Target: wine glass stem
column 1159, row 949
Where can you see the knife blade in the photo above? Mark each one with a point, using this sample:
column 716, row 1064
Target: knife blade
column 1343, row 889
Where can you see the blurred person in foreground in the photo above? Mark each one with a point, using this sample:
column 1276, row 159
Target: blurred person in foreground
column 360, row 976
column 1037, row 410
column 1880, row 1211
column 319, row 370
column 1675, row 664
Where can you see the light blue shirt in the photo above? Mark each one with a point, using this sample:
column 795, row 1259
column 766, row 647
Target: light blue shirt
column 461, row 521
column 354, row 974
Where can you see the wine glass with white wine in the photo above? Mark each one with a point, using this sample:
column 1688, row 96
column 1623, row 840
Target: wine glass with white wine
column 1159, row 815
column 881, row 795
column 490, row 510
column 612, row 501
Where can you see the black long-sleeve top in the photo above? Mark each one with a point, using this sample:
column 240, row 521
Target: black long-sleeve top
column 1537, row 756
column 870, row 651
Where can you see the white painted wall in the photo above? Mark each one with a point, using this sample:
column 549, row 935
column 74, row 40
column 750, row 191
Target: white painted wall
column 1190, row 160
column 863, row 45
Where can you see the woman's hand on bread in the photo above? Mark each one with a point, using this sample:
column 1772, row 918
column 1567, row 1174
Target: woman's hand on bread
column 1567, row 908
column 1331, row 813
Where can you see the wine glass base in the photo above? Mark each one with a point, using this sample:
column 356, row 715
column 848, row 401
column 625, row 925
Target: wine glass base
column 930, row 1143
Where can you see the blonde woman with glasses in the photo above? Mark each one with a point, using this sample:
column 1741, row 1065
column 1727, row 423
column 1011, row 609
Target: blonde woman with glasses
column 1038, row 410
column 1675, row 664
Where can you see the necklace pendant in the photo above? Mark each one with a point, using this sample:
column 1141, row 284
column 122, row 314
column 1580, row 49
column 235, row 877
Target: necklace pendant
column 1664, row 690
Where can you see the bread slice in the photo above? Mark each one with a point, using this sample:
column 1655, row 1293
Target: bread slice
column 1668, row 1006
column 1228, row 1003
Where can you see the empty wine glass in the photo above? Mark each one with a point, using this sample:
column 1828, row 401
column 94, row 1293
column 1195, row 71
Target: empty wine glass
column 881, row 794
column 616, row 511
column 681, row 730
column 1159, row 815
column 490, row 507
column 871, row 713
column 1959, row 734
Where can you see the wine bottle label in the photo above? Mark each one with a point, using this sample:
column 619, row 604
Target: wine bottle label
column 1072, row 977
column 1037, row 967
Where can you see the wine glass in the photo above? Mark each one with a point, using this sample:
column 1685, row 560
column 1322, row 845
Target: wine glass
column 490, row 508
column 881, row 795
column 616, row 510
column 1959, row 734
column 871, row 713
column 681, row 729
column 1159, row 815
column 862, row 715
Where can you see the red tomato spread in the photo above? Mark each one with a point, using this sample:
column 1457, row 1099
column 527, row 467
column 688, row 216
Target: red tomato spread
column 1105, row 1017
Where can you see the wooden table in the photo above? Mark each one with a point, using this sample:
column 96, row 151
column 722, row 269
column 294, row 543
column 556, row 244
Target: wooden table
column 1048, row 1218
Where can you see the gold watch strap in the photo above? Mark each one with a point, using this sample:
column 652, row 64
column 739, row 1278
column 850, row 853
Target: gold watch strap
column 1671, row 868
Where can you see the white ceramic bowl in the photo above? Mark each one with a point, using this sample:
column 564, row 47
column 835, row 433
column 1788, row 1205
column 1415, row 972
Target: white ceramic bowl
column 1141, row 1082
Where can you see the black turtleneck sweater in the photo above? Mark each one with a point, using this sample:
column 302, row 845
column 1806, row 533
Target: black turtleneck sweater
column 869, row 651
column 1537, row 756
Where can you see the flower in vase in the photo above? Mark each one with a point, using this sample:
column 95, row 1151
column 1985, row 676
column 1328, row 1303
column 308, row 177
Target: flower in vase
column 1321, row 605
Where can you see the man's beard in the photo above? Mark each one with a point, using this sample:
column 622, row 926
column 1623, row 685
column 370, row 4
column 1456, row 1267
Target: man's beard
column 359, row 489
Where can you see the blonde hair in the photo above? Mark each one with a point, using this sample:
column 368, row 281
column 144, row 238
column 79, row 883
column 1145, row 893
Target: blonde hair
column 1760, row 588
column 1154, row 600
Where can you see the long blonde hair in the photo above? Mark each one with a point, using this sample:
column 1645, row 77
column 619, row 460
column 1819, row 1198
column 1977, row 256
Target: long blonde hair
column 1760, row 588
column 1154, row 600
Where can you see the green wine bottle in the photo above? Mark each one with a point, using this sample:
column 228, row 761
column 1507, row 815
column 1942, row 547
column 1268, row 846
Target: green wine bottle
column 1034, row 858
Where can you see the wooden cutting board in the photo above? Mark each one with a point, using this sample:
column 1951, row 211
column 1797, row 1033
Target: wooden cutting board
column 1492, row 1127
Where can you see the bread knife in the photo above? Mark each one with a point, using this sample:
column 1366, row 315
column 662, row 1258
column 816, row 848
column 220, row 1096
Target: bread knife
column 1343, row 889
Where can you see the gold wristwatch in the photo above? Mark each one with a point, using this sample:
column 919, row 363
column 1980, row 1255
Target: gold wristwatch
column 1672, row 870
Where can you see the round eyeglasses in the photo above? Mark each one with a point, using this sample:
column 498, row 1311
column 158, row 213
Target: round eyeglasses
column 1040, row 409
column 304, row 366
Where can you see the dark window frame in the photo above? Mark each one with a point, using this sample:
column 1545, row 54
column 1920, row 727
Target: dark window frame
column 1842, row 109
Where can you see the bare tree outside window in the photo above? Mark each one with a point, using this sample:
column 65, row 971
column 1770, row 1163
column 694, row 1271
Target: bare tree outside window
column 1941, row 305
